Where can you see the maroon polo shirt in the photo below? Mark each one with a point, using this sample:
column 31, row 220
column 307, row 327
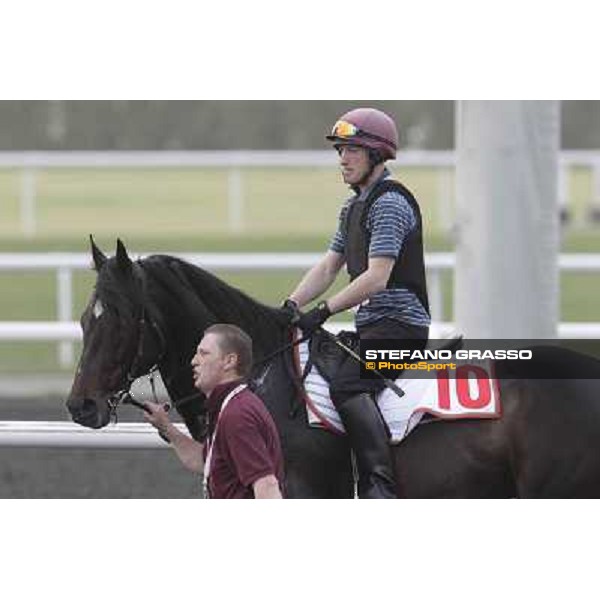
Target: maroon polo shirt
column 246, row 446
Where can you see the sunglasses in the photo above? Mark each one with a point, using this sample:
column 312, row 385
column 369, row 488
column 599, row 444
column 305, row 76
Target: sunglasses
column 345, row 129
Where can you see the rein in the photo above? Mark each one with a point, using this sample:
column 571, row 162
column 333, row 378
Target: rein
column 281, row 350
column 179, row 402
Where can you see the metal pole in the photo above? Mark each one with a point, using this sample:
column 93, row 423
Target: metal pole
column 507, row 244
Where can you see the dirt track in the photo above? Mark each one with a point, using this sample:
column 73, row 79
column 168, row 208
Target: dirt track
column 79, row 473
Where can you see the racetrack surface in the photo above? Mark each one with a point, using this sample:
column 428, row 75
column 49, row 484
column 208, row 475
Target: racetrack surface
column 83, row 473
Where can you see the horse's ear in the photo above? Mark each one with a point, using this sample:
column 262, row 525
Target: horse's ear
column 97, row 255
column 123, row 260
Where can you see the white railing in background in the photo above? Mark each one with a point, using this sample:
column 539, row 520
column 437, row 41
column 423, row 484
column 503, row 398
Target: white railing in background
column 65, row 330
column 29, row 163
column 52, row 331
column 61, row 434
column 66, row 263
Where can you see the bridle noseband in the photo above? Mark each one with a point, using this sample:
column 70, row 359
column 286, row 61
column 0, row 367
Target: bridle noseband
column 124, row 395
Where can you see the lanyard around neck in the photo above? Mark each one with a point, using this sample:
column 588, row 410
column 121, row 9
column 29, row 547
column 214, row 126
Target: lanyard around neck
column 211, row 441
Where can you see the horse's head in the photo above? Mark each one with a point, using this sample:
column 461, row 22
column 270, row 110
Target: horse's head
column 120, row 340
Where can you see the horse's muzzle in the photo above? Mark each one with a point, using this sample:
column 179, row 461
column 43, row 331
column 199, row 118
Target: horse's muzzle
column 89, row 413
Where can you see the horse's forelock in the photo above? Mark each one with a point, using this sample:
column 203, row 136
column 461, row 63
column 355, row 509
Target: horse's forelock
column 116, row 288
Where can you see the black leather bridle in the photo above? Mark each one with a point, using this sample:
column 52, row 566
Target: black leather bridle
column 146, row 318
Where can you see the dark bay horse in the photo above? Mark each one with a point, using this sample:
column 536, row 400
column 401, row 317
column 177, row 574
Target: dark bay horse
column 154, row 311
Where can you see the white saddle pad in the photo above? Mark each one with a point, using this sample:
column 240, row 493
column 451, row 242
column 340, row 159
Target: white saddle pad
column 444, row 396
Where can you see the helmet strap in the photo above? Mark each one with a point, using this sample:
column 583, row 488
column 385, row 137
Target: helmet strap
column 375, row 158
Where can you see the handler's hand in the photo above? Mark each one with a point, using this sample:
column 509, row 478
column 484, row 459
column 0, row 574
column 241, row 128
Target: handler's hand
column 157, row 415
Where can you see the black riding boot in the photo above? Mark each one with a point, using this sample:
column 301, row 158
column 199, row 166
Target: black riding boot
column 369, row 439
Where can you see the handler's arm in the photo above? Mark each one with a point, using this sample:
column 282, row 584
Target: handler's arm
column 318, row 279
column 187, row 449
column 373, row 280
column 266, row 488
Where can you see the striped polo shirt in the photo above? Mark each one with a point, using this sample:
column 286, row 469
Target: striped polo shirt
column 389, row 221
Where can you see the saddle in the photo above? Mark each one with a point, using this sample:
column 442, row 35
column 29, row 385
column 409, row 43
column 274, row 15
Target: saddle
column 423, row 398
column 327, row 356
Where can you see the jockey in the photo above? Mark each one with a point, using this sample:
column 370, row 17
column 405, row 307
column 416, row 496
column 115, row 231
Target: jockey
column 379, row 239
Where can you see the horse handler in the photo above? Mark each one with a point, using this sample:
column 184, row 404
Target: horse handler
column 379, row 238
column 242, row 456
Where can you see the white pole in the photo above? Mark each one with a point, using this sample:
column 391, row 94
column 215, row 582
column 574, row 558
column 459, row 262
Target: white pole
column 507, row 247
column 64, row 303
column 27, row 203
column 235, row 200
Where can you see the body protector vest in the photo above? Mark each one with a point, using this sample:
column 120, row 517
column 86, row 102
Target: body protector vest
column 409, row 269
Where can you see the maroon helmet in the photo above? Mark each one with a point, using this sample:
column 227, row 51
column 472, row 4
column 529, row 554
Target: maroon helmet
column 367, row 127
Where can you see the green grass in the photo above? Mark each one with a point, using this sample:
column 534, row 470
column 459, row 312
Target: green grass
column 185, row 210
column 168, row 203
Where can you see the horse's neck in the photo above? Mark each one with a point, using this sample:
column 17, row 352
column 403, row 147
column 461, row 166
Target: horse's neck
column 249, row 315
column 192, row 299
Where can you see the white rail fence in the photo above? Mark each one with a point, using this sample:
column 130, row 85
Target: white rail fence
column 30, row 164
column 141, row 435
column 65, row 330
column 61, row 434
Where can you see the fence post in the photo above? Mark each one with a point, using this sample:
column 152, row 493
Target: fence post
column 594, row 209
column 445, row 207
column 64, row 304
column 235, row 198
column 566, row 212
column 436, row 297
column 27, row 202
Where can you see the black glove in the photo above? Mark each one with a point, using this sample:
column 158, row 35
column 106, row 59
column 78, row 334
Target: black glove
column 309, row 322
column 291, row 311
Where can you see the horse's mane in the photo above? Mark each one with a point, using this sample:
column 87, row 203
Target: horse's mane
column 223, row 302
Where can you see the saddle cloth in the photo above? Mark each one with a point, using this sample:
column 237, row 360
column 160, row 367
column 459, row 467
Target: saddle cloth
column 442, row 398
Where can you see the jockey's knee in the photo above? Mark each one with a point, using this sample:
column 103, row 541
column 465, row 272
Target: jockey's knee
column 340, row 393
column 341, row 390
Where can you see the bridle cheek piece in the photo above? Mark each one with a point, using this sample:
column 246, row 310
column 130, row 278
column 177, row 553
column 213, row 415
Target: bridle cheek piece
column 123, row 396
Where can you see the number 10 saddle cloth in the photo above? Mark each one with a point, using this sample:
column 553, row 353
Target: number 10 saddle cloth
column 470, row 390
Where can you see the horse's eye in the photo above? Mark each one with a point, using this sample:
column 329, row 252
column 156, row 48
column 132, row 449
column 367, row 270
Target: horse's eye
column 98, row 309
